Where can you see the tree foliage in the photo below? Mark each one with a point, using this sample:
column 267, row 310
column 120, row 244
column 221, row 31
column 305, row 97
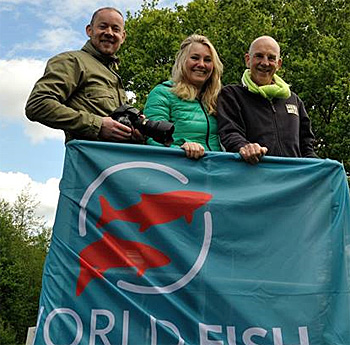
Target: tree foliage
column 314, row 36
column 24, row 243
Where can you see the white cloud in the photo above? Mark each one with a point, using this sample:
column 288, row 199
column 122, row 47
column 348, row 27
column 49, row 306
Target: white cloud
column 39, row 133
column 17, row 78
column 51, row 41
column 13, row 183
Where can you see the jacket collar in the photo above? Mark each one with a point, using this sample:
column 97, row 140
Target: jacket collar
column 105, row 59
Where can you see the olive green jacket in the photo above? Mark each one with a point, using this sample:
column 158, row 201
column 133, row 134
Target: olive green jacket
column 77, row 89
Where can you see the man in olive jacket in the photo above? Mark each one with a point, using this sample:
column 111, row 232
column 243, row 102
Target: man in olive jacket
column 80, row 89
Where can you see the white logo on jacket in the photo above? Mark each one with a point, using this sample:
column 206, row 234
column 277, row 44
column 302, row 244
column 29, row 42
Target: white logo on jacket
column 292, row 109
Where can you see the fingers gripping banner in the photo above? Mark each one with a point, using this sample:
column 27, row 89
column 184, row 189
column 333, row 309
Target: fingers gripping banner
column 152, row 248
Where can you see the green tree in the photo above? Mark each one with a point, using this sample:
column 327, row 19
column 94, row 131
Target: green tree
column 23, row 249
column 148, row 54
column 24, row 213
column 7, row 334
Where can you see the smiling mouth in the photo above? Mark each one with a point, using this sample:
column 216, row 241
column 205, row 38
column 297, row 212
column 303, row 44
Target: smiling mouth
column 264, row 70
column 200, row 72
column 107, row 41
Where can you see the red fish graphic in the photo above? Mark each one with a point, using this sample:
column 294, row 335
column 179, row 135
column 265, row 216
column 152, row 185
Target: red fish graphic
column 155, row 209
column 111, row 252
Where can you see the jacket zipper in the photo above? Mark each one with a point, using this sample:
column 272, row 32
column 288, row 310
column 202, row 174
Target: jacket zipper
column 208, row 125
column 276, row 129
column 112, row 68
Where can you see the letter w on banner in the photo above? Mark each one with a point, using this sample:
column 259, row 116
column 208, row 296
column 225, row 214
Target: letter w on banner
column 152, row 248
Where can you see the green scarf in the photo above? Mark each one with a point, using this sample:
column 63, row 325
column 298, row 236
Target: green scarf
column 280, row 89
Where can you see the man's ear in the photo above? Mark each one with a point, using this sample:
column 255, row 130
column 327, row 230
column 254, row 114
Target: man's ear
column 88, row 30
column 279, row 64
column 247, row 59
column 124, row 35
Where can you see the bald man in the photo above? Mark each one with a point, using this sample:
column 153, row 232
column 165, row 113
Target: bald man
column 262, row 116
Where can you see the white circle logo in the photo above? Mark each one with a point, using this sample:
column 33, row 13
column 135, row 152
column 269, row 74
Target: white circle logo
column 197, row 266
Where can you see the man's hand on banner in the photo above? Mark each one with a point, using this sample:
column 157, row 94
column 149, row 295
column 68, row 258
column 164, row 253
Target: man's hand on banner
column 252, row 153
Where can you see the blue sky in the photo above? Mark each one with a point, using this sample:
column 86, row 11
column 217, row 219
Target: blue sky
column 31, row 31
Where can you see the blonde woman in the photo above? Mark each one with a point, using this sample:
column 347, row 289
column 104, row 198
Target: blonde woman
column 189, row 98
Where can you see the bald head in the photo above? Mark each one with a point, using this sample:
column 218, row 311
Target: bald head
column 263, row 60
column 265, row 40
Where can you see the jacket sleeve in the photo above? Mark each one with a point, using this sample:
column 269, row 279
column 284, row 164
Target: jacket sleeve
column 158, row 108
column 47, row 101
column 231, row 126
column 306, row 136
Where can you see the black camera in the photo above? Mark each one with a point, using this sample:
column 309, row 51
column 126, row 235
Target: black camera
column 160, row 131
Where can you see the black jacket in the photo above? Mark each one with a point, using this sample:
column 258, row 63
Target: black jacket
column 282, row 125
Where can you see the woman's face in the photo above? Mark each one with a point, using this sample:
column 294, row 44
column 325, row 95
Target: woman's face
column 199, row 65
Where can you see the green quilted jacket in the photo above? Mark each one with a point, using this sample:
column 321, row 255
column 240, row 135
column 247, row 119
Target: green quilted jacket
column 192, row 121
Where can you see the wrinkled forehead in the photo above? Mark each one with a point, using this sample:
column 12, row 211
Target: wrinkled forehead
column 265, row 46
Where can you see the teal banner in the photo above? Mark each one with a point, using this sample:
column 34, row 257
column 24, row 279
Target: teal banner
column 152, row 248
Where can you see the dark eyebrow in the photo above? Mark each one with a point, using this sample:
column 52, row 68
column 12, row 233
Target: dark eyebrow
column 105, row 23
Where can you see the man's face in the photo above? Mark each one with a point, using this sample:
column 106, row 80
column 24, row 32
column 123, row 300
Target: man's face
column 263, row 61
column 107, row 32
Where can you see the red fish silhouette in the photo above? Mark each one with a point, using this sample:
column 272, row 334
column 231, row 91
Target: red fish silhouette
column 111, row 252
column 155, row 209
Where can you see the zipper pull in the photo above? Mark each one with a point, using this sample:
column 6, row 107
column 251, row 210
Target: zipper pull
column 273, row 106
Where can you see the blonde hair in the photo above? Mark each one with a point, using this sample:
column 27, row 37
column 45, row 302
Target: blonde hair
column 188, row 91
